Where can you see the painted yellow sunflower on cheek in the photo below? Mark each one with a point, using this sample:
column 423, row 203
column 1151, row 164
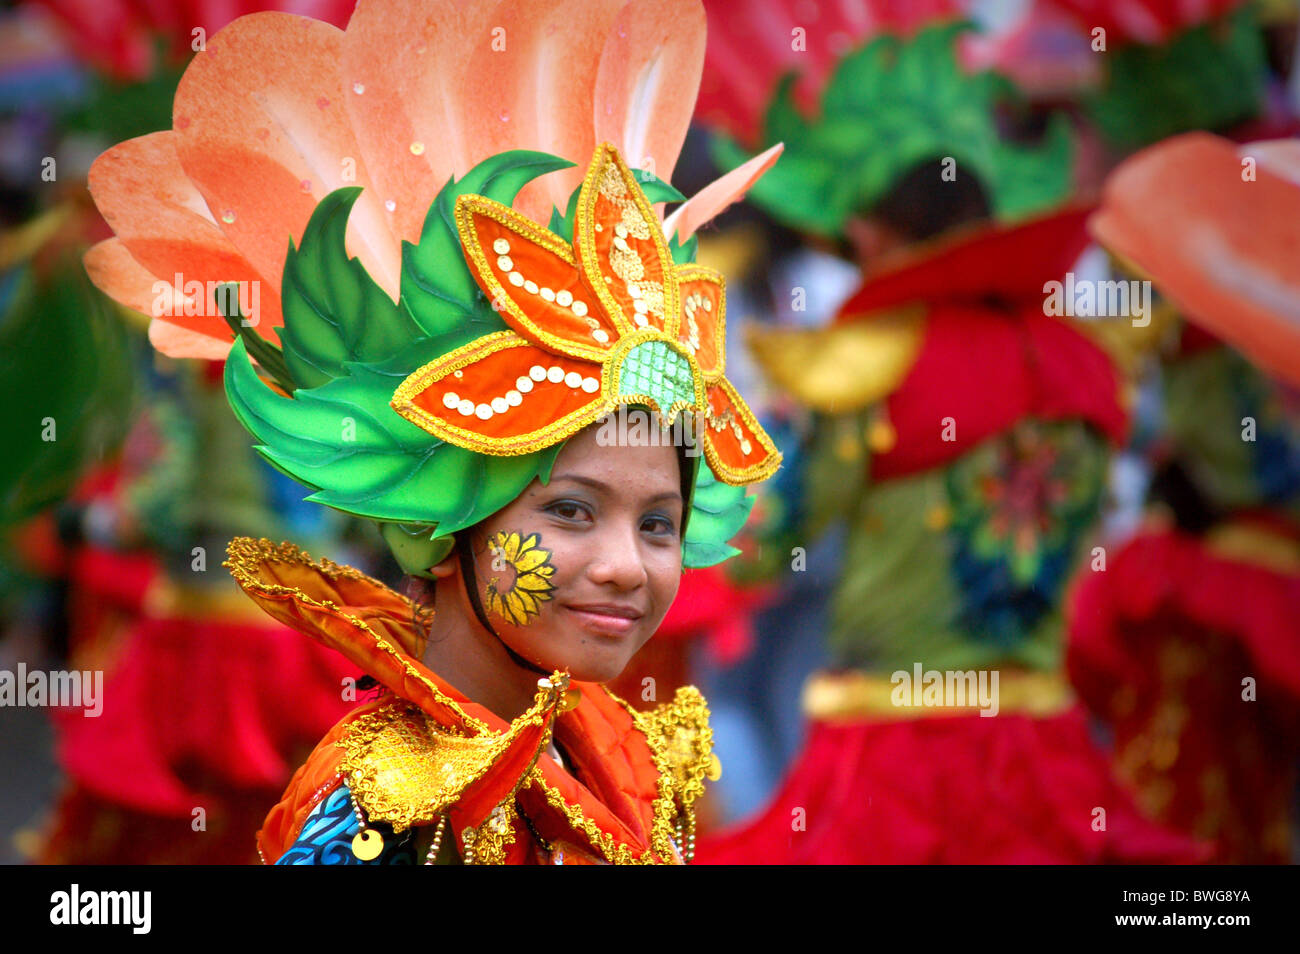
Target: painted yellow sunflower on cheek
column 525, row 581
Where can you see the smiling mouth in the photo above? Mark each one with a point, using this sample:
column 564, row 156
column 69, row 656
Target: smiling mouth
column 605, row 618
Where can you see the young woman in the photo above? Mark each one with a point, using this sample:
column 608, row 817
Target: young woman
column 537, row 418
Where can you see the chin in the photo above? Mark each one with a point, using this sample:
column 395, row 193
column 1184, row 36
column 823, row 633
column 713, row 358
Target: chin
column 589, row 663
column 598, row 672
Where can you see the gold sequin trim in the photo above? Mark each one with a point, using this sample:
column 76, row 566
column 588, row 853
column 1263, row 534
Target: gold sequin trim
column 406, row 770
column 766, row 464
column 689, row 330
column 609, row 178
column 245, row 555
column 680, row 743
column 403, row 402
column 466, row 207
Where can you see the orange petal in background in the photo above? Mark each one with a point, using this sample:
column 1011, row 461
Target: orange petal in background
column 530, row 85
column 718, row 194
column 164, row 225
column 648, row 79
column 1232, row 263
column 405, row 69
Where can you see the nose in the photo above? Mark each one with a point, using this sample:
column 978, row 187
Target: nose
column 617, row 558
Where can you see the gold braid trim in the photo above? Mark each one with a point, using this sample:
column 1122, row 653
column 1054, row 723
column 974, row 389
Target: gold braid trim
column 679, row 733
column 681, row 745
column 614, row 852
column 406, row 770
column 245, row 555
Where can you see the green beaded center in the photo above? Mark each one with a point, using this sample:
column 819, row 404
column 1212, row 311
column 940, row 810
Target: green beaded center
column 656, row 369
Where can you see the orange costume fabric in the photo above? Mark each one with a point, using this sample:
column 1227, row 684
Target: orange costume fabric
column 421, row 749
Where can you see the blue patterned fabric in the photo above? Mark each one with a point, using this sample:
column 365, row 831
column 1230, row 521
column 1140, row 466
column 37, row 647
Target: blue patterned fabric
column 326, row 837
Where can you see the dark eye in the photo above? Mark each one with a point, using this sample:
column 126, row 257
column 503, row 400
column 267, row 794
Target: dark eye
column 569, row 510
column 658, row 524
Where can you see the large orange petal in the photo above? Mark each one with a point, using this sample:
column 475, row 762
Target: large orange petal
column 530, row 274
column 265, row 134
column 113, row 270
column 531, row 86
column 1222, row 248
column 648, row 79
column 164, row 223
column 120, row 277
column 620, row 247
column 501, row 394
column 703, row 317
column 735, row 444
column 405, row 73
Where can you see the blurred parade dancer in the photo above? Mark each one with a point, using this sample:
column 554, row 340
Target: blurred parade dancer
column 963, row 435
column 1187, row 646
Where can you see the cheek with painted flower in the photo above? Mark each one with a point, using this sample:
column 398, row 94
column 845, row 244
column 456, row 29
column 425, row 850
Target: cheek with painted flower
column 520, row 580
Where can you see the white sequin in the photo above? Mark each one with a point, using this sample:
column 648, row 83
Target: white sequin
column 640, row 305
column 547, row 294
column 634, row 290
column 573, row 379
column 516, row 279
column 505, row 263
column 483, row 412
column 530, row 286
column 590, row 385
column 537, row 373
column 555, row 375
column 514, row 398
column 640, row 320
column 501, row 246
column 746, row 447
column 564, row 297
column 450, row 400
column 466, row 408
column 621, row 245
column 708, row 304
column 524, row 384
column 620, row 230
column 499, row 405
column 580, row 309
column 601, row 335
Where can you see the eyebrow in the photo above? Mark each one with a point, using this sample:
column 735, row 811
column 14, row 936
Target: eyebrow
column 605, row 488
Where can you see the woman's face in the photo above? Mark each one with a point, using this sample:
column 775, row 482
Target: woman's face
column 577, row 574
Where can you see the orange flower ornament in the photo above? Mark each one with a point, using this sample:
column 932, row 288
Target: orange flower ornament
column 608, row 320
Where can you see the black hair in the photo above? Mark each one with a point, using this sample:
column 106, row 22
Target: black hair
column 922, row 203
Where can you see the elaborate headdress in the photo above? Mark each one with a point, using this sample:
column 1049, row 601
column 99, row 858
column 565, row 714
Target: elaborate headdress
column 430, row 378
